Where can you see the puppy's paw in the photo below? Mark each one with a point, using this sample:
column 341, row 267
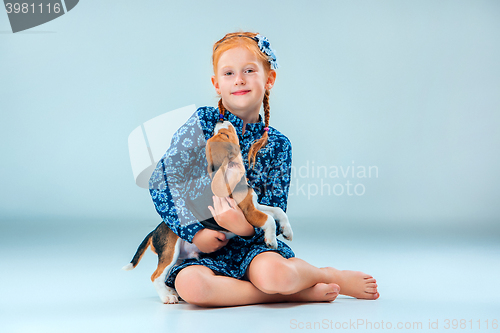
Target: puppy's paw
column 172, row 299
column 271, row 243
column 169, row 296
column 287, row 232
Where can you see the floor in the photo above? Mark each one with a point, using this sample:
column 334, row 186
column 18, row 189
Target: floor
column 62, row 277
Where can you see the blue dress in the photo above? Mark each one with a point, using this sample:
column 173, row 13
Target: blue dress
column 181, row 175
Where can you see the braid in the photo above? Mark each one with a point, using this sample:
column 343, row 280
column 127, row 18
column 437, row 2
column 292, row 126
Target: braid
column 222, row 109
column 259, row 144
column 266, row 108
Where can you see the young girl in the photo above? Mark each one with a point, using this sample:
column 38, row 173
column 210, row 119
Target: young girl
column 241, row 270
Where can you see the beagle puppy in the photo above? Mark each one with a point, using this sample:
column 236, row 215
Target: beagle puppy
column 226, row 168
column 227, row 171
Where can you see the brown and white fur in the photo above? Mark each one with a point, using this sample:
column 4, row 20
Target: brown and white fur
column 226, row 168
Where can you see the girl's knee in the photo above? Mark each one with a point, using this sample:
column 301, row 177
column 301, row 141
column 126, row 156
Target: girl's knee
column 191, row 284
column 272, row 274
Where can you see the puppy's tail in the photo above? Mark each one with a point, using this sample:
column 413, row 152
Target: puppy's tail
column 140, row 252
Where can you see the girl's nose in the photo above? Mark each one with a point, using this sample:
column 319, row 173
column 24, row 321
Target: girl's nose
column 239, row 80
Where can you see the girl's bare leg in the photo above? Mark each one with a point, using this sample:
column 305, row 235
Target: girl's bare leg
column 199, row 285
column 271, row 273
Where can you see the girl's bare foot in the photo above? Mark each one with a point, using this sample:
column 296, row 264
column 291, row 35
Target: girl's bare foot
column 353, row 283
column 320, row 292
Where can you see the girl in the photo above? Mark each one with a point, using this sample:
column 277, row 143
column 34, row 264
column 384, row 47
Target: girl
column 241, row 270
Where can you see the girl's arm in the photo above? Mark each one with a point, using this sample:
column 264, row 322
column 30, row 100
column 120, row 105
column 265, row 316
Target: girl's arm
column 229, row 216
column 179, row 175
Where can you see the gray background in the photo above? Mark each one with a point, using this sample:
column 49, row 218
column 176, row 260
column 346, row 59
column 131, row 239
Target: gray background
column 409, row 87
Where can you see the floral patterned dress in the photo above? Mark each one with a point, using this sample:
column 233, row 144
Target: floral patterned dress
column 181, row 177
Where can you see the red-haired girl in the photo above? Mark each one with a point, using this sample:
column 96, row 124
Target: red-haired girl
column 240, row 270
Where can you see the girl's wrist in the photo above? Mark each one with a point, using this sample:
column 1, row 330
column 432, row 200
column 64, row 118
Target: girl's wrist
column 241, row 227
column 248, row 231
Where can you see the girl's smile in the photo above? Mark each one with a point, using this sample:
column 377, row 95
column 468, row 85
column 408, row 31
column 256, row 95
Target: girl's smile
column 241, row 92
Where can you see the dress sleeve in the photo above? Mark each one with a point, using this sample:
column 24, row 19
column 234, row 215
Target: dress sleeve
column 181, row 174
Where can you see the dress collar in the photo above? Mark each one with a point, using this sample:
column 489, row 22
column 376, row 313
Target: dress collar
column 254, row 128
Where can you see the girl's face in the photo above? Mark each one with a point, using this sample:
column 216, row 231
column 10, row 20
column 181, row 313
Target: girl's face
column 241, row 81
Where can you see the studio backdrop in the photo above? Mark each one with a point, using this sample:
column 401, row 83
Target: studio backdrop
column 392, row 107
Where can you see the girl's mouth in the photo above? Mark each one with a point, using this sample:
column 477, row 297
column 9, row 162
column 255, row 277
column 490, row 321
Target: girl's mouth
column 241, row 92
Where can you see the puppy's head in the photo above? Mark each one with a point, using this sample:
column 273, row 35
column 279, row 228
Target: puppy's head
column 224, row 144
column 225, row 165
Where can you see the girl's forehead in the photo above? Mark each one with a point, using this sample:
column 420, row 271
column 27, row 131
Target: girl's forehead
column 237, row 56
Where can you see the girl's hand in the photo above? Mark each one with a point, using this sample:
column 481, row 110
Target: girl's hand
column 208, row 240
column 229, row 216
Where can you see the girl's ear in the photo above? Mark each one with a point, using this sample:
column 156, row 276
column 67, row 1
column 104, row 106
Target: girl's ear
column 271, row 78
column 215, row 84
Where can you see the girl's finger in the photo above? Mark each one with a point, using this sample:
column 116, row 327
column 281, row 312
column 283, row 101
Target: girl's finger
column 217, row 204
column 233, row 203
column 211, row 209
column 229, row 202
column 225, row 204
column 221, row 236
column 222, row 205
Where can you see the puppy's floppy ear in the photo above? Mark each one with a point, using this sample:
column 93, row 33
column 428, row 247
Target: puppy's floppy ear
column 228, row 176
column 219, row 186
column 210, row 161
column 235, row 171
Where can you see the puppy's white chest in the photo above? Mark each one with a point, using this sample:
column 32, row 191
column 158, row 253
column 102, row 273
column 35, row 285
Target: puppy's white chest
column 188, row 250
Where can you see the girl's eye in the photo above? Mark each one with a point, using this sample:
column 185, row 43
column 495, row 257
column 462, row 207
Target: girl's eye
column 249, row 70
column 228, row 73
